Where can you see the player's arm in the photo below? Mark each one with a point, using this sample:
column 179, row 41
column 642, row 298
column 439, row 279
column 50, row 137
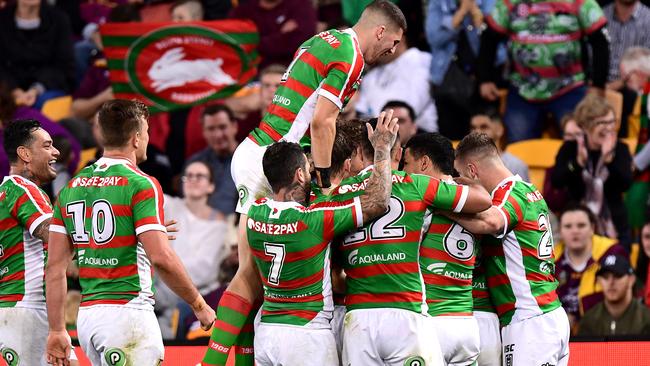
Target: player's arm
column 60, row 253
column 171, row 271
column 478, row 199
column 490, row 221
column 148, row 215
column 323, row 130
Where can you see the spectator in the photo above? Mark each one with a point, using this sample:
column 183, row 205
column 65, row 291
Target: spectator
column 64, row 146
column 389, row 81
column 282, row 24
column 556, row 198
column 620, row 313
column 187, row 11
column 576, row 261
column 596, row 169
column 547, row 60
column 37, row 56
column 635, row 68
column 453, row 30
column 250, row 109
column 628, row 22
column 219, row 130
column 406, row 119
column 216, row 9
column 199, row 242
column 10, row 111
column 489, row 122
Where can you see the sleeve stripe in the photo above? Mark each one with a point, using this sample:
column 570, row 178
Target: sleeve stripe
column 38, row 221
column 463, row 198
column 58, row 229
column 505, row 220
column 358, row 211
column 150, row 227
column 333, row 98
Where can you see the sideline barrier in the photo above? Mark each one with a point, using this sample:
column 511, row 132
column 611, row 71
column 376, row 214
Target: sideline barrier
column 627, row 353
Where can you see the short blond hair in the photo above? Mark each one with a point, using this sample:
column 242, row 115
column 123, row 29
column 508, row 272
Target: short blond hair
column 590, row 108
column 636, row 59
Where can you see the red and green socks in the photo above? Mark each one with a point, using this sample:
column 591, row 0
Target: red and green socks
column 233, row 313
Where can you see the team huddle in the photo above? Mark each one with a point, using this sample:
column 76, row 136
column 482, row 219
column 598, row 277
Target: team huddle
column 354, row 262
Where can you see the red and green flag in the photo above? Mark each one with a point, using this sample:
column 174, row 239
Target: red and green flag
column 176, row 65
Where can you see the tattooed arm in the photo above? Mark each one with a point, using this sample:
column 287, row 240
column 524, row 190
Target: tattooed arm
column 42, row 231
column 376, row 197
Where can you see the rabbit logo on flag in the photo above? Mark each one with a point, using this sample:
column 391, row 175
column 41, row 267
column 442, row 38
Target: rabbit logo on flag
column 170, row 66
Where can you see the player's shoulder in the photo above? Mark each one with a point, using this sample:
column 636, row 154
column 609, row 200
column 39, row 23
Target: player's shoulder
column 333, row 43
column 15, row 186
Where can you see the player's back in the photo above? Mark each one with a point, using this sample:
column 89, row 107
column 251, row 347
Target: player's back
column 328, row 64
column 447, row 258
column 103, row 209
column 23, row 206
column 520, row 263
column 381, row 260
column 290, row 244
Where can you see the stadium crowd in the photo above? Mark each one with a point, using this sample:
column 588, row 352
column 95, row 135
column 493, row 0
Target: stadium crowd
column 575, row 123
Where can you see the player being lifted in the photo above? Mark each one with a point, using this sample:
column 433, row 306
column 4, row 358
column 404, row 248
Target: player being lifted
column 291, row 246
column 387, row 320
column 323, row 76
column 447, row 257
column 518, row 258
column 25, row 215
column 111, row 216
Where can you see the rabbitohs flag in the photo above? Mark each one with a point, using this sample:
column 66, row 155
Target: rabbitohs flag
column 174, row 65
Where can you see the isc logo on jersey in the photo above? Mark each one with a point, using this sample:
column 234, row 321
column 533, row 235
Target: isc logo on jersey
column 354, row 258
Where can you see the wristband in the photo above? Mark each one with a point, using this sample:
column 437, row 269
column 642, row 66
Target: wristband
column 324, row 174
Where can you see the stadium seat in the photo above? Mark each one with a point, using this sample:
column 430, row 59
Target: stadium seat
column 86, row 156
column 538, row 154
column 58, row 108
column 615, row 99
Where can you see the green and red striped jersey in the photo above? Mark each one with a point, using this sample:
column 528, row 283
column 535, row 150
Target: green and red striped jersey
column 447, row 258
column 23, row 207
column 381, row 260
column 519, row 263
column 328, row 64
column 480, row 294
column 291, row 247
column 103, row 209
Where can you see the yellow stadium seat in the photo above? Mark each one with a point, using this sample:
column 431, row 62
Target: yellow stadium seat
column 58, row 108
column 86, row 156
column 538, row 154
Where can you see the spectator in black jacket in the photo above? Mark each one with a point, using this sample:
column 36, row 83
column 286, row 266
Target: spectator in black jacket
column 596, row 169
column 37, row 52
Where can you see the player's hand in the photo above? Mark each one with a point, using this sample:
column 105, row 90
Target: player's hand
column 489, row 91
column 203, row 313
column 171, row 227
column 386, row 133
column 58, row 348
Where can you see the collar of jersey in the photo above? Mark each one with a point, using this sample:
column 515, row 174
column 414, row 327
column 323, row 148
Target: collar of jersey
column 113, row 161
column 351, row 32
column 512, row 178
column 8, row 177
column 283, row 205
column 366, row 169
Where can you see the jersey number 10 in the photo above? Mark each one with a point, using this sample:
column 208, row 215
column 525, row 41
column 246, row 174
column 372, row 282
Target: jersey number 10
column 102, row 221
